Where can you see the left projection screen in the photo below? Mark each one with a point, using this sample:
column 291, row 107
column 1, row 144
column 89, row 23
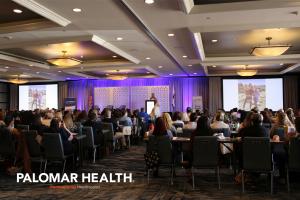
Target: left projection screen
column 33, row 97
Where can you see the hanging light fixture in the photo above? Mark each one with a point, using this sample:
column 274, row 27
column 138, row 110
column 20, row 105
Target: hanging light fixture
column 18, row 80
column 269, row 50
column 64, row 61
column 117, row 77
column 246, row 72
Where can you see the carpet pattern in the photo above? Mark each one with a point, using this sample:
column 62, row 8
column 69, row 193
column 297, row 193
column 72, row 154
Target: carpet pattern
column 132, row 161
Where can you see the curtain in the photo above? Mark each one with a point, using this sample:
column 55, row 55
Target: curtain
column 13, row 102
column 62, row 93
column 290, row 92
column 215, row 94
column 185, row 89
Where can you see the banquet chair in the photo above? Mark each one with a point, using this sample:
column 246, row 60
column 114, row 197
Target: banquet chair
column 54, row 150
column 22, row 127
column 257, row 157
column 205, row 155
column 294, row 159
column 225, row 131
column 163, row 146
column 108, row 132
column 34, row 148
column 90, row 142
column 7, row 144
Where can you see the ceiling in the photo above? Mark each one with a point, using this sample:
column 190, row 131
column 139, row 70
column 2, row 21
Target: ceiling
column 46, row 28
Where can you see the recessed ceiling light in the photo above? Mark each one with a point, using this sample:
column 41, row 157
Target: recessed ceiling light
column 148, row 58
column 190, row 65
column 114, row 56
column 119, row 38
column 6, row 67
column 59, row 71
column 68, row 78
column 30, row 65
column 171, row 34
column 37, row 72
column 214, row 66
column 107, row 74
column 171, row 74
column 148, row 72
column 184, row 56
column 18, row 11
column 81, row 56
column 160, row 67
column 149, row 1
column 195, row 73
column 281, row 64
column 214, row 41
column 77, row 10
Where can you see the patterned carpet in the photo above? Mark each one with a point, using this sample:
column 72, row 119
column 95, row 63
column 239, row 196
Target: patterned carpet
column 159, row 188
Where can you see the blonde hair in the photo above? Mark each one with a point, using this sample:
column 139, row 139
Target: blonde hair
column 167, row 119
column 68, row 120
column 58, row 115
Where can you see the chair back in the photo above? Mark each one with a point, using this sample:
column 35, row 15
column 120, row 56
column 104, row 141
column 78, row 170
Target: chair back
column 294, row 154
column 185, row 133
column 88, row 131
column 257, row 154
column 7, row 143
column 22, row 127
column 225, row 131
column 34, row 147
column 108, row 131
column 205, row 151
column 53, row 146
column 177, row 125
column 163, row 146
column 79, row 127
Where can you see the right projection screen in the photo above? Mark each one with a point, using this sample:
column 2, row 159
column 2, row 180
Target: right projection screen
column 247, row 93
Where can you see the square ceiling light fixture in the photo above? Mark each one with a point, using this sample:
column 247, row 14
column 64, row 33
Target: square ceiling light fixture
column 269, row 50
column 64, row 61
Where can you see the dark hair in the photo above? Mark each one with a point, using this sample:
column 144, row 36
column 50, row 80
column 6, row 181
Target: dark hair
column 193, row 117
column 297, row 124
column 256, row 119
column 92, row 115
column 36, row 121
column 8, row 119
column 202, row 123
column 188, row 109
column 176, row 116
column 54, row 125
column 160, row 127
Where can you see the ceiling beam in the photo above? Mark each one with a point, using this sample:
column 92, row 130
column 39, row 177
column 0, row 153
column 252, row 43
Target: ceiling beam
column 43, row 11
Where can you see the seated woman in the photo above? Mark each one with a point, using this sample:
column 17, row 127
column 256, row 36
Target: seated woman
column 192, row 124
column 160, row 128
column 177, row 119
column 279, row 131
column 169, row 124
column 57, row 126
column 202, row 129
column 38, row 125
column 21, row 146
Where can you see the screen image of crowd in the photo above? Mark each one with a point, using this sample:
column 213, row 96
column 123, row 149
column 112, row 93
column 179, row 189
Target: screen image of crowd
column 37, row 97
column 252, row 94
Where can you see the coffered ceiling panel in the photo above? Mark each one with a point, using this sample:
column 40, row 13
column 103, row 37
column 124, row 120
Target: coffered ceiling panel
column 240, row 43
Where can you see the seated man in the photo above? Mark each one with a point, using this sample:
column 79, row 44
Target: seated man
column 117, row 135
column 125, row 120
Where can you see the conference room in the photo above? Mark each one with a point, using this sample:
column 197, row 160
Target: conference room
column 149, row 99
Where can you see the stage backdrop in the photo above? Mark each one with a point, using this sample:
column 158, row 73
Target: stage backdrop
column 180, row 91
column 132, row 97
